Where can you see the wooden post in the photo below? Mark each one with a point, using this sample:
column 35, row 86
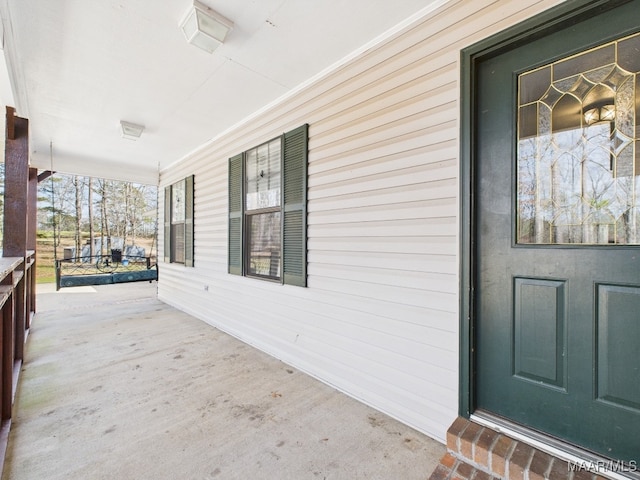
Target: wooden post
column 16, row 186
column 32, row 230
column 19, row 205
column 7, row 312
column 21, row 313
column 32, row 208
column 7, row 359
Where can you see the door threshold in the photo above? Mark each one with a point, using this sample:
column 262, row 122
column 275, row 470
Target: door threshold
column 576, row 457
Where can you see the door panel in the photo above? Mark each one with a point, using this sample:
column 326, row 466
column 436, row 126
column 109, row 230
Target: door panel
column 539, row 337
column 618, row 364
column 557, row 301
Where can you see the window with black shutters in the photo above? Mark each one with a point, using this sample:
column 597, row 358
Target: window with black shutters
column 267, row 210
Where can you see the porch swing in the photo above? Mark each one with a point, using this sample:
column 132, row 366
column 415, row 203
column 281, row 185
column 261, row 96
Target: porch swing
column 104, row 270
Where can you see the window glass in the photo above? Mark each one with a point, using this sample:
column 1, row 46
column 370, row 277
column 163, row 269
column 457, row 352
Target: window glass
column 264, row 244
column 263, row 176
column 177, row 243
column 178, row 199
column 578, row 165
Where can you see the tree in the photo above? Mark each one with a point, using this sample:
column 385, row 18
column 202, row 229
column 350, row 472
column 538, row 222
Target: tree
column 90, row 208
column 103, row 187
column 78, row 187
column 83, row 206
column 57, row 200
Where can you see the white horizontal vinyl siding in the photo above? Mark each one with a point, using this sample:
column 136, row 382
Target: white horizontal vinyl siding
column 379, row 318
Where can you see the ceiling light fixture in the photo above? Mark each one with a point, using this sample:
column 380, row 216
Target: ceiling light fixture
column 131, row 131
column 205, row 28
column 604, row 113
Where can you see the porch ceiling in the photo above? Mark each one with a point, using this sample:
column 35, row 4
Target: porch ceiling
column 77, row 68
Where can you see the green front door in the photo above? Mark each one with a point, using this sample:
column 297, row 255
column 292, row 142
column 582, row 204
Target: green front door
column 557, row 234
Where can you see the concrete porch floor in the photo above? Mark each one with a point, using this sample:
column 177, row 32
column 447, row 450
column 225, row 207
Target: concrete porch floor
column 116, row 384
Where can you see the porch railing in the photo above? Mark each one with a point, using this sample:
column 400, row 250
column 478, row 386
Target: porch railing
column 17, row 305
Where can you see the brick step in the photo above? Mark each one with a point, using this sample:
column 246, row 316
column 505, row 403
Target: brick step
column 476, row 452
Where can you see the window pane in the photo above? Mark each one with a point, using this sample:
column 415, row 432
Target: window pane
column 264, row 244
column 177, row 242
column 263, row 176
column 578, row 160
column 178, row 197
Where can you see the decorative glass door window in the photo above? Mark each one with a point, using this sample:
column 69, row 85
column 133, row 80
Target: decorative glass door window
column 578, row 152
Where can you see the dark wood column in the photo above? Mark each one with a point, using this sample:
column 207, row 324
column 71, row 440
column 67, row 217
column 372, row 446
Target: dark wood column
column 16, row 213
column 32, row 227
column 16, row 186
column 32, row 209
column 17, row 285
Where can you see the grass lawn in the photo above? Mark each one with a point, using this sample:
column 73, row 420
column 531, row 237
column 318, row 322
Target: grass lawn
column 45, row 266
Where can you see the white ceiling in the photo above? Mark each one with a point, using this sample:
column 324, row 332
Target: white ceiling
column 78, row 67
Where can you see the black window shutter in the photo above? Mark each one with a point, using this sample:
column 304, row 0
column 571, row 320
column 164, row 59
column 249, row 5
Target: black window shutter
column 236, row 182
column 295, row 206
column 188, row 220
column 167, row 224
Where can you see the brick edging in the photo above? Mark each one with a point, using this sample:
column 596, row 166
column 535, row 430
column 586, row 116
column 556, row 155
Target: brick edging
column 476, row 452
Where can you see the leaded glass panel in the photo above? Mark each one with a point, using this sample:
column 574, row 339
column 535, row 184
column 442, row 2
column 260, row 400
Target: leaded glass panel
column 263, row 176
column 178, row 199
column 578, row 165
